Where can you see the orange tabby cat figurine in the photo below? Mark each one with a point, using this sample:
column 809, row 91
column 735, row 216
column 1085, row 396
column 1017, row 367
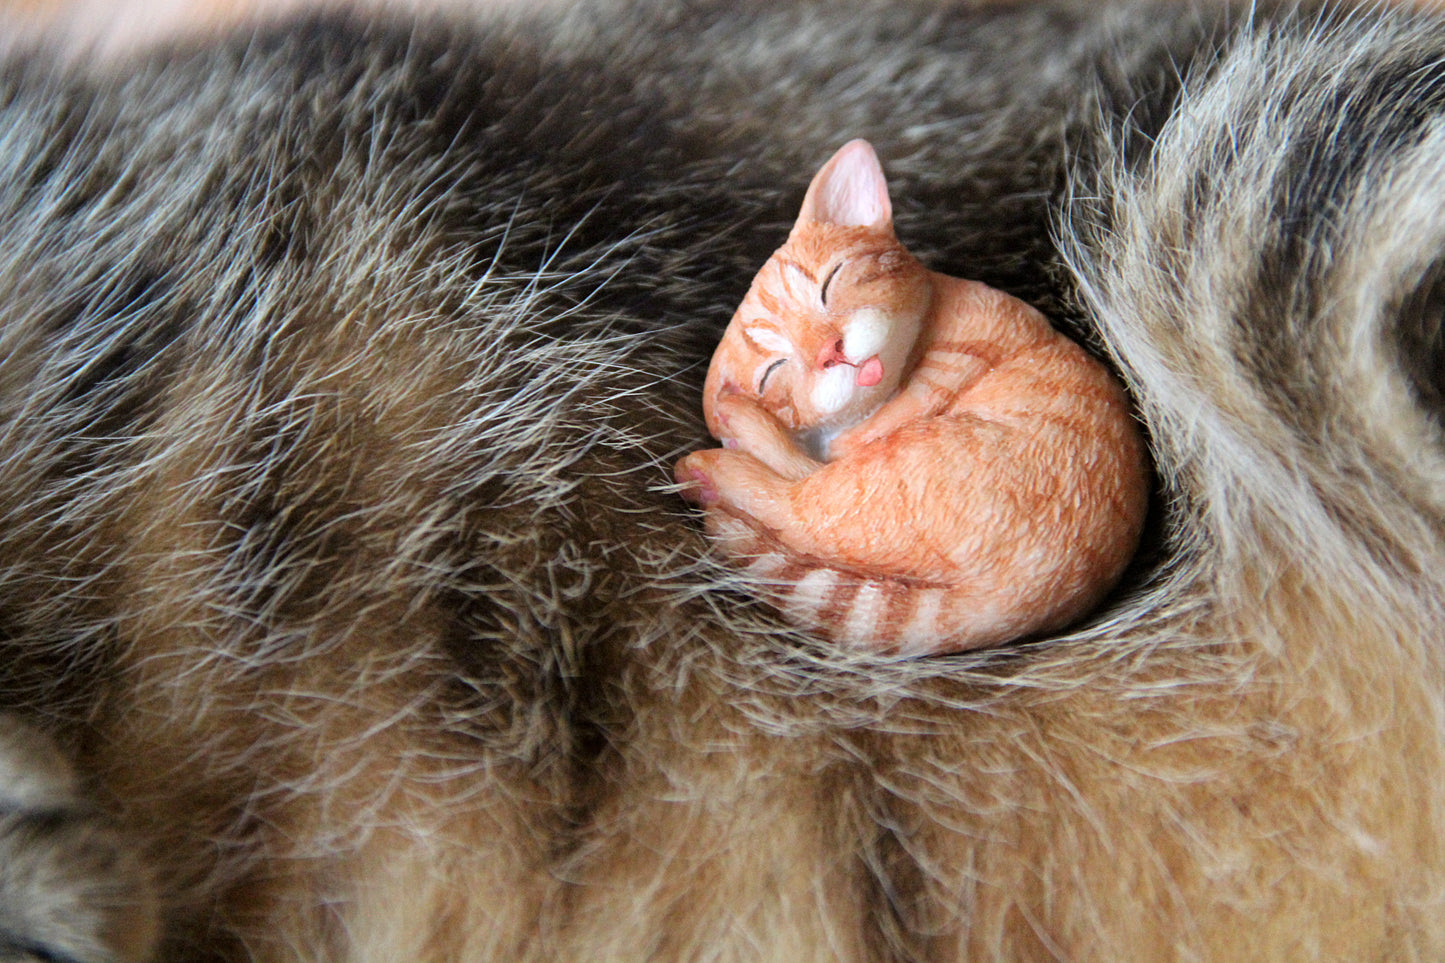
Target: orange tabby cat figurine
column 911, row 462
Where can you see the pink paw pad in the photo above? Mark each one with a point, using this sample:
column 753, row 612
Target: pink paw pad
column 699, row 488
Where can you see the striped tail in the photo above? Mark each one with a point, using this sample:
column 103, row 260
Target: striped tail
column 888, row 613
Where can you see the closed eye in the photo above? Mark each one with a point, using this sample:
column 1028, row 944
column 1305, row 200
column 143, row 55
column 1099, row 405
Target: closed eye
column 763, row 382
column 823, row 292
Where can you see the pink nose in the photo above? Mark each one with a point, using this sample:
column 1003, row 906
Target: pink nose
column 831, row 353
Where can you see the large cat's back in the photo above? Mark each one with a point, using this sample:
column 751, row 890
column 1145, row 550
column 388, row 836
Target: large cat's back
column 344, row 363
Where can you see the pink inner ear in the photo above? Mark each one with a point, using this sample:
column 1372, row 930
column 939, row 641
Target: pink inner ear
column 850, row 190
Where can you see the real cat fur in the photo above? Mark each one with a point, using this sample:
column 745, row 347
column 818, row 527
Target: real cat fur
column 344, row 364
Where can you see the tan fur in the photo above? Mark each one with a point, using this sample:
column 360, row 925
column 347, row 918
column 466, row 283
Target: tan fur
column 488, row 694
column 69, row 883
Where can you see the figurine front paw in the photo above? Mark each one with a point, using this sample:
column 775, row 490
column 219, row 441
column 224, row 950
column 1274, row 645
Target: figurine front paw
column 750, row 428
column 745, row 422
column 698, row 486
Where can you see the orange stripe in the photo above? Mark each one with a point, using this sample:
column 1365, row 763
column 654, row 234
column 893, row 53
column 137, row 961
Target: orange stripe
column 769, row 303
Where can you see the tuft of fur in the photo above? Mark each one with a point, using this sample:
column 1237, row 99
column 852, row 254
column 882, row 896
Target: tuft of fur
column 70, row 888
column 343, row 366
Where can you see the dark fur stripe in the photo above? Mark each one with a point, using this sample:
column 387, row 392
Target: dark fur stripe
column 383, row 622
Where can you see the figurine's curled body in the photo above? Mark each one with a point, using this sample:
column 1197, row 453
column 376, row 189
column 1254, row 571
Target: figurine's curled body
column 912, row 462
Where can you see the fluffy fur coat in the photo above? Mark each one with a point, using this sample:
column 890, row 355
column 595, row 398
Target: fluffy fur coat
column 344, row 364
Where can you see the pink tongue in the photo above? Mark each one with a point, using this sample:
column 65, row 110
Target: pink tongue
column 870, row 372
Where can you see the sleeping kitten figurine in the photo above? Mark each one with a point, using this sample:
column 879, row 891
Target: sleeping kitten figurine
column 911, row 462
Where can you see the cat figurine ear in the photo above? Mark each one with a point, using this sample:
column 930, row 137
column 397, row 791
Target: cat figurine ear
column 849, row 191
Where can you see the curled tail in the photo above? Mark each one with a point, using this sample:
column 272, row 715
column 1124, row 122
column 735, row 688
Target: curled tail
column 889, row 613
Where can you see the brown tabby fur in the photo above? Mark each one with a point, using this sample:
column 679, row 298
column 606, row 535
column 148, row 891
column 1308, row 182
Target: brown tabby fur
column 344, row 367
